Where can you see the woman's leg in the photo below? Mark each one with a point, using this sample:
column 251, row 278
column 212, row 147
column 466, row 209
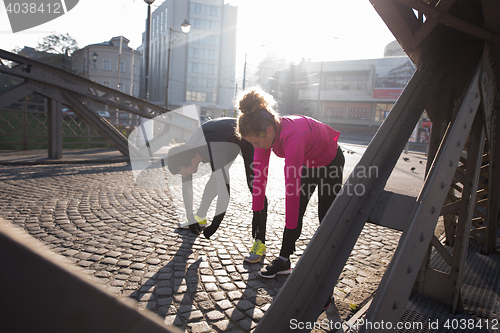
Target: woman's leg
column 290, row 236
column 259, row 221
column 330, row 183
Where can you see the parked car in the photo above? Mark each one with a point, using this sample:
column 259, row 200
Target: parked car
column 104, row 114
column 67, row 112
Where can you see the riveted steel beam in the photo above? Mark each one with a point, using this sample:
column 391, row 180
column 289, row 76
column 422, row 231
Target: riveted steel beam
column 472, row 173
column 306, row 290
column 396, row 285
column 493, row 220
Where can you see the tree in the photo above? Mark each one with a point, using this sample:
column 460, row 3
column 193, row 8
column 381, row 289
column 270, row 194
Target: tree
column 58, row 49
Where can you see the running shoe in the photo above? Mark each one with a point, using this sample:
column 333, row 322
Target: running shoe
column 202, row 221
column 256, row 252
column 278, row 266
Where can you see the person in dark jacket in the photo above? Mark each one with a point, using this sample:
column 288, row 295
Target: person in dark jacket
column 216, row 142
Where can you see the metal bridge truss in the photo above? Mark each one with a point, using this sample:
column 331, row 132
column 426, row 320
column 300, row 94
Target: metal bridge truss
column 64, row 301
column 455, row 83
column 82, row 96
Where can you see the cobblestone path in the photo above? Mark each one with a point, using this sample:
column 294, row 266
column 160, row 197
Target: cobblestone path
column 125, row 236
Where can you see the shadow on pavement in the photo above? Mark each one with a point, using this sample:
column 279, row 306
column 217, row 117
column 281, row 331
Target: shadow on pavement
column 177, row 282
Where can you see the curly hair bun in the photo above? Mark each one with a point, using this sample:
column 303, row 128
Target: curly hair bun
column 252, row 101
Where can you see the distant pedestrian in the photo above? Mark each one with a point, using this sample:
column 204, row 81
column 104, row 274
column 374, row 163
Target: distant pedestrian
column 312, row 158
column 216, row 142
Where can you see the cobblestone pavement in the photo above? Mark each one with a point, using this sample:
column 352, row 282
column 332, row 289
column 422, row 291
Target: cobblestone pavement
column 125, row 235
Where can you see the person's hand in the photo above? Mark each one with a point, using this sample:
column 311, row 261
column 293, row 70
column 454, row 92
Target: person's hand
column 195, row 228
column 210, row 230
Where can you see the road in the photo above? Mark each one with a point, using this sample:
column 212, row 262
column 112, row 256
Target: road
column 124, row 235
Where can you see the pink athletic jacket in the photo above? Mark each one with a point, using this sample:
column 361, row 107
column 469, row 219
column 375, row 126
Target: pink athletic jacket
column 301, row 141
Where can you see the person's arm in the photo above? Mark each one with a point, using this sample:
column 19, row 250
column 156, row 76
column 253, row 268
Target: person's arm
column 222, row 155
column 261, row 168
column 294, row 163
column 223, row 192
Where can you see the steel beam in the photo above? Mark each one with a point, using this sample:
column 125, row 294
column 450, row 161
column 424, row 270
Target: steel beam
column 451, row 21
column 81, row 95
column 13, row 95
column 54, row 129
column 59, row 299
column 472, row 173
column 58, row 78
column 306, row 290
column 493, row 221
column 391, row 210
column 402, row 23
column 396, row 285
column 429, row 24
column 99, row 124
column 488, row 87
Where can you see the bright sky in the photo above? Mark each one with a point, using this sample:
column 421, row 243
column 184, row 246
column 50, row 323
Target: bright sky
column 292, row 29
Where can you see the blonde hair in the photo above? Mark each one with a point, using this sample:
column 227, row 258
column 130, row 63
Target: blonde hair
column 256, row 113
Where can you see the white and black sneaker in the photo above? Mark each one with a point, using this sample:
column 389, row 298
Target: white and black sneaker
column 278, row 266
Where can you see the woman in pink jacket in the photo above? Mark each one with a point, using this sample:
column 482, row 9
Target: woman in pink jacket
column 312, row 159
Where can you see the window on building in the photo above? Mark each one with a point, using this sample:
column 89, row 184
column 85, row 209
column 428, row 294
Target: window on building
column 166, row 25
column 197, row 96
column 106, row 65
column 105, row 83
column 361, row 82
column 94, row 64
column 121, row 86
column 161, row 21
column 203, row 9
column 382, row 111
column 122, row 66
column 196, row 23
column 195, row 8
column 345, row 81
column 359, row 110
column 334, row 109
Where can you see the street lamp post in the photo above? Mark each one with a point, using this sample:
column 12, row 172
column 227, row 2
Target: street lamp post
column 148, row 37
column 185, row 27
column 87, row 61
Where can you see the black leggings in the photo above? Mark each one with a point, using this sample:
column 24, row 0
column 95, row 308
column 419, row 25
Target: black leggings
column 329, row 179
column 210, row 191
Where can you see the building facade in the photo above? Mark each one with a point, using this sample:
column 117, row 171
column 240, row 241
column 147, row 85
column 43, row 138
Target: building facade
column 355, row 93
column 202, row 62
column 103, row 63
column 113, row 64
